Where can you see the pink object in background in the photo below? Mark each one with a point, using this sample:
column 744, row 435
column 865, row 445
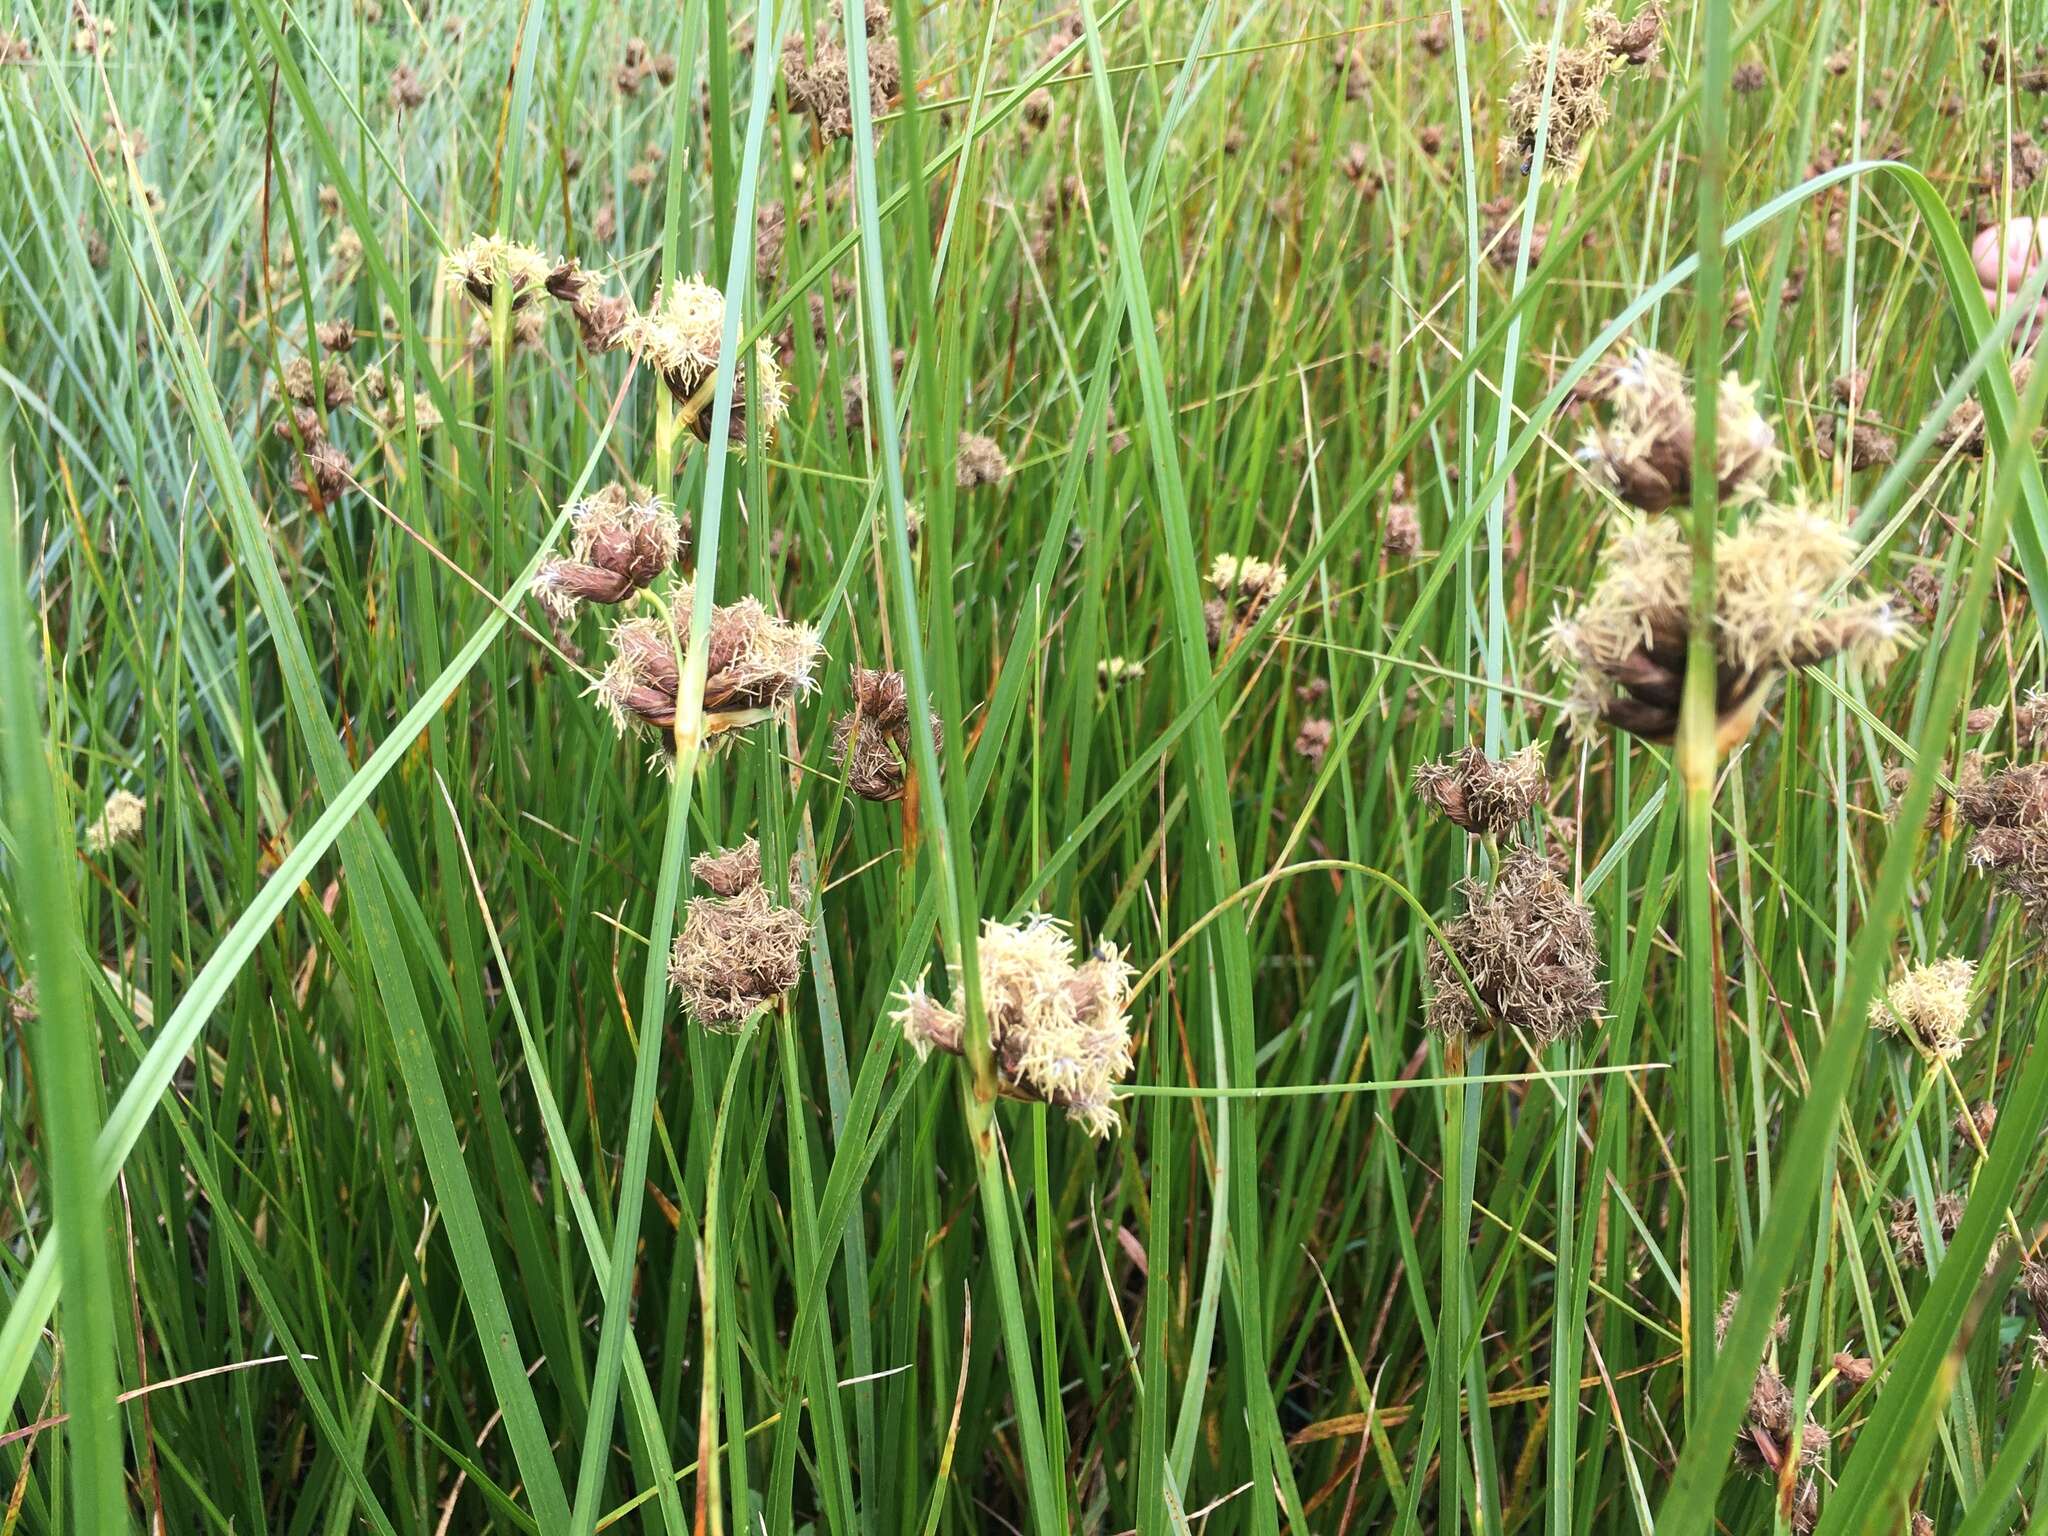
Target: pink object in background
column 2013, row 251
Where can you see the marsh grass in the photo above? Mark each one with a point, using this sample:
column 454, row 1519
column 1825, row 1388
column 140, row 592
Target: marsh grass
column 396, row 1189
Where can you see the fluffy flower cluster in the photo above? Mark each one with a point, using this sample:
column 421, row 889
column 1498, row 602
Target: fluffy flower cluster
column 1058, row 1030
column 1779, row 604
column 1576, row 104
column 483, row 262
column 1930, row 1006
column 819, row 79
column 681, row 338
column 871, row 741
column 622, row 539
column 1644, row 450
column 740, row 949
column 1245, row 588
column 119, row 821
column 753, row 662
column 1527, row 944
column 2009, row 811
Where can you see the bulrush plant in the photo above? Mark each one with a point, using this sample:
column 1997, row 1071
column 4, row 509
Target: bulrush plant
column 485, row 262
column 1643, row 451
column 681, row 337
column 1059, row 1030
column 1486, row 797
column 871, row 741
column 740, row 949
column 1780, row 602
column 753, row 663
column 622, row 539
column 1526, row 944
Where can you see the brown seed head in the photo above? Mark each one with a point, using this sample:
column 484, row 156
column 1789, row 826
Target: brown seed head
column 1473, row 791
column 980, row 462
column 1527, row 944
column 1645, row 450
column 485, row 261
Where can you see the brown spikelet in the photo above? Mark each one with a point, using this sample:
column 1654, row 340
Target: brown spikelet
column 739, row 949
column 871, row 741
column 1472, row 791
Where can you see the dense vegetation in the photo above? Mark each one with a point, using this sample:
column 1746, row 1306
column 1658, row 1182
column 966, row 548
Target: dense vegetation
column 1532, row 838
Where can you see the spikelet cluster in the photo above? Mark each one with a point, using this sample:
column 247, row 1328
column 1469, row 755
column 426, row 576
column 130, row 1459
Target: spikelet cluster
column 1527, row 944
column 1471, row 790
column 622, row 539
column 819, row 79
column 119, row 821
column 740, row 949
column 2009, row 812
column 481, row 264
column 681, row 338
column 1780, row 602
column 871, row 741
column 1643, row 451
column 1930, row 1006
column 1058, row 1029
column 1576, row 105
column 1245, row 587
column 754, row 661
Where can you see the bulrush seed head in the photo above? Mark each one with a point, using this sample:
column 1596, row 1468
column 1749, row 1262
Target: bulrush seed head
column 600, row 317
column 1527, row 944
column 1909, row 1240
column 1058, row 1030
column 1115, row 671
column 485, row 261
column 622, row 541
column 2009, row 811
column 821, row 87
column 871, row 741
column 1777, row 607
column 1576, row 105
column 753, row 662
column 1313, row 740
column 120, row 821
column 1930, row 1006
column 739, row 949
column 681, row 337
column 980, row 462
column 1644, row 452
column 1245, row 587
column 1481, row 795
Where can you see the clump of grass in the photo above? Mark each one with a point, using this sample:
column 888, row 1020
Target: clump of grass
column 1058, row 1029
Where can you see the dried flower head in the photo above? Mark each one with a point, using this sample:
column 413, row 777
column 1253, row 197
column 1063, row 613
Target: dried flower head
column 1930, row 1006
column 739, row 949
column 120, row 821
column 395, row 404
column 2009, row 811
column 1909, row 1239
column 1245, row 588
column 600, row 317
column 1853, row 1372
column 1774, row 1432
column 1975, row 1123
column 1778, row 605
column 407, row 90
column 16, row 49
column 871, row 741
column 1058, row 1030
column 1576, row 105
column 980, row 462
column 753, row 662
column 93, row 35
column 1473, row 791
column 299, row 384
column 1312, row 741
column 821, row 86
column 324, row 475
column 1964, row 429
column 1527, row 944
column 1645, row 450
column 1870, row 446
column 622, row 539
column 1037, row 109
column 335, row 335
column 1401, row 531
column 681, row 338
